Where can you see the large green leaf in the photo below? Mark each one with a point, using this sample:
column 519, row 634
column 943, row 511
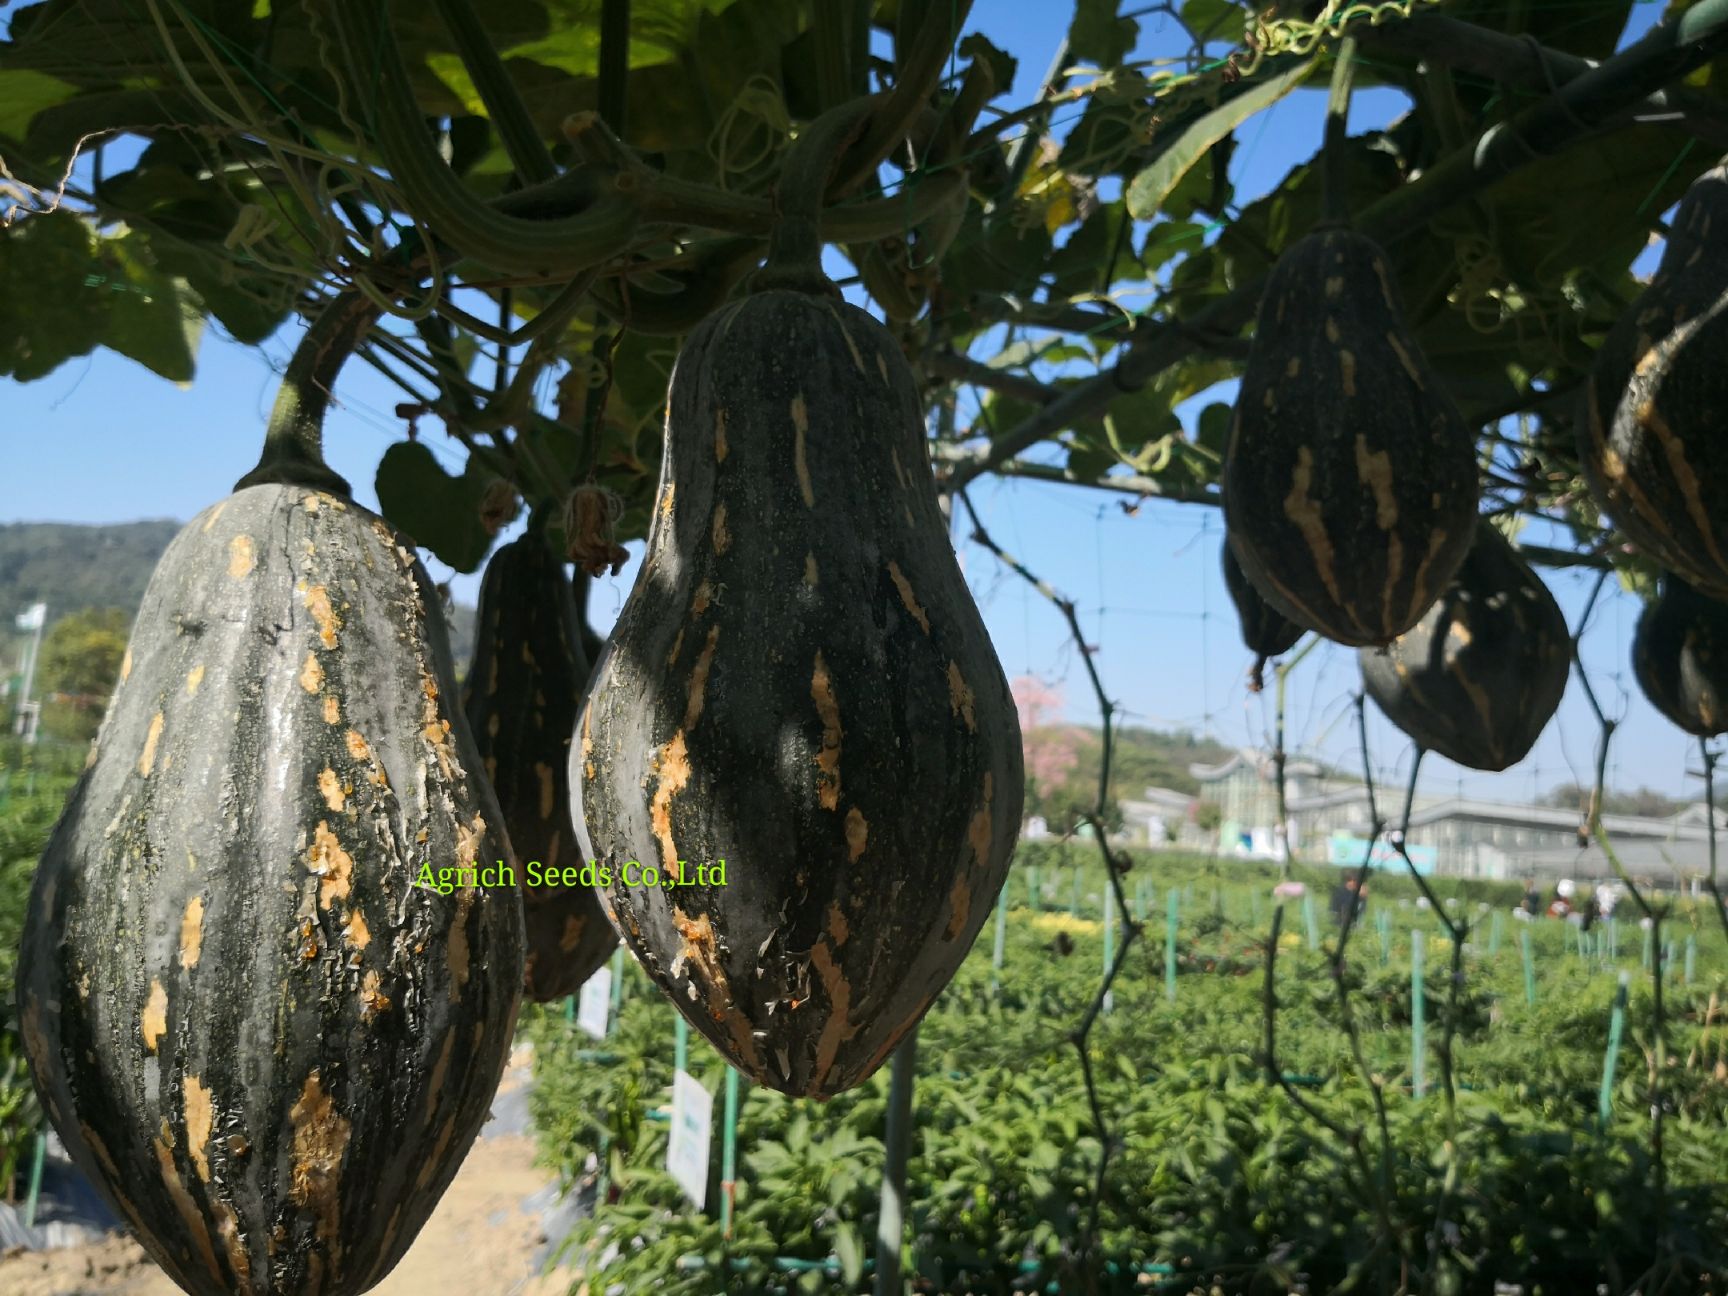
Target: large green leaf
column 1098, row 35
column 48, row 314
column 437, row 511
column 1155, row 183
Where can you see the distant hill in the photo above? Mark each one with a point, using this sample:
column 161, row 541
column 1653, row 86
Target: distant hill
column 71, row 566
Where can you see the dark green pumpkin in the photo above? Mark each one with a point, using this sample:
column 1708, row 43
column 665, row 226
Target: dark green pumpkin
column 1265, row 630
column 800, row 684
column 1680, row 656
column 521, row 697
column 1652, row 443
column 1350, row 480
column 249, row 1024
column 1480, row 675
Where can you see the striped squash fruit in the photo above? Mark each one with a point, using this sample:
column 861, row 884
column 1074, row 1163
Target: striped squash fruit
column 800, row 685
column 521, row 697
column 1680, row 656
column 1481, row 674
column 250, row 1024
column 1651, row 443
column 1350, row 480
column 1265, row 630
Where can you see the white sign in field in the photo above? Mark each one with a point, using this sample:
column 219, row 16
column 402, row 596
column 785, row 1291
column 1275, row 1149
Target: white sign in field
column 692, row 1125
column 596, row 1003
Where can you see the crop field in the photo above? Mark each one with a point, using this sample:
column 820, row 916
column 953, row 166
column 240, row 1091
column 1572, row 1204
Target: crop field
column 1490, row 1163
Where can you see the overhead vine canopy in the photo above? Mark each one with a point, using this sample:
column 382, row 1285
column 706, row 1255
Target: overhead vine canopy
column 544, row 195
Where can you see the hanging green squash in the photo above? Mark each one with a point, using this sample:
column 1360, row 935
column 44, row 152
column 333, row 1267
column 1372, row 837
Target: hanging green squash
column 1265, row 630
column 1652, row 443
column 253, row 1028
column 1481, row 674
column 1680, row 656
column 799, row 714
column 521, row 697
column 1350, row 480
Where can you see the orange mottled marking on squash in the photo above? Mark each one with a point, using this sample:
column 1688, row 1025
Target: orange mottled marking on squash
column 184, row 1206
column 200, row 1115
column 810, row 570
column 194, row 679
column 228, row 1229
column 828, row 758
column 373, row 1000
column 431, row 1164
column 440, row 1068
column 330, row 787
column 333, row 866
column 126, row 664
column 1305, row 512
column 355, row 933
column 721, row 537
column 320, row 1142
column 908, row 597
column 214, row 514
column 1347, row 372
column 192, row 933
column 317, row 601
column 153, row 1023
column 960, row 698
column 702, row 599
column 720, row 446
column 800, row 466
column 357, row 747
column 332, row 709
column 698, row 690
column 457, row 956
column 548, row 795
column 837, row 926
column 959, row 905
column 1407, row 360
column 837, row 1028
column 571, row 936
column 857, row 833
column 241, row 557
column 152, row 736
column 701, row 950
column 672, row 767
column 1680, row 468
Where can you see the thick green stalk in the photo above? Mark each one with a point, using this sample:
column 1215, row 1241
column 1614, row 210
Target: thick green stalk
column 1337, row 202
column 376, row 75
column 516, row 131
column 294, row 440
column 614, row 62
column 795, row 247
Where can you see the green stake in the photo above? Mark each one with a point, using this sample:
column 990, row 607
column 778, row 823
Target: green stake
column 35, row 1194
column 1033, row 900
column 1494, row 929
column 617, row 988
column 1644, row 959
column 1383, row 921
column 729, row 1151
column 1691, row 957
column 1309, row 921
column 1529, row 967
column 1001, row 940
column 1616, row 1024
column 1418, row 1018
column 1172, row 916
column 681, row 1043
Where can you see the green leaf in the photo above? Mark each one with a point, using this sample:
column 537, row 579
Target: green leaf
column 1215, row 20
column 849, row 1251
column 1149, row 189
column 24, row 93
column 1098, row 35
column 152, row 317
column 436, row 510
column 48, row 314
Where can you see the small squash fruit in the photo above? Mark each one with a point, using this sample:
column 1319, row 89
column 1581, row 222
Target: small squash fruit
column 799, row 688
column 1350, row 480
column 1265, row 630
column 1480, row 675
column 1651, row 441
column 251, row 1025
column 521, row 696
column 1680, row 656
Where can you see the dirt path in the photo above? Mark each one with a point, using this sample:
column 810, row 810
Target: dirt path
column 479, row 1242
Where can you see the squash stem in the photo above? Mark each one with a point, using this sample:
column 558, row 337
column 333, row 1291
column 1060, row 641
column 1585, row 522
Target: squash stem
column 294, row 440
column 1337, row 204
column 795, row 246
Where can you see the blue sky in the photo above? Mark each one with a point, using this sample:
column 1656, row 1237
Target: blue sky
column 103, row 440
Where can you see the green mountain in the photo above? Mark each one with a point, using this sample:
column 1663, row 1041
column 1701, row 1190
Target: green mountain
column 71, row 566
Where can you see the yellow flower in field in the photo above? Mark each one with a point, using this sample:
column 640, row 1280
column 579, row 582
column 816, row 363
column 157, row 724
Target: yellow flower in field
column 1289, row 940
column 1053, row 922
